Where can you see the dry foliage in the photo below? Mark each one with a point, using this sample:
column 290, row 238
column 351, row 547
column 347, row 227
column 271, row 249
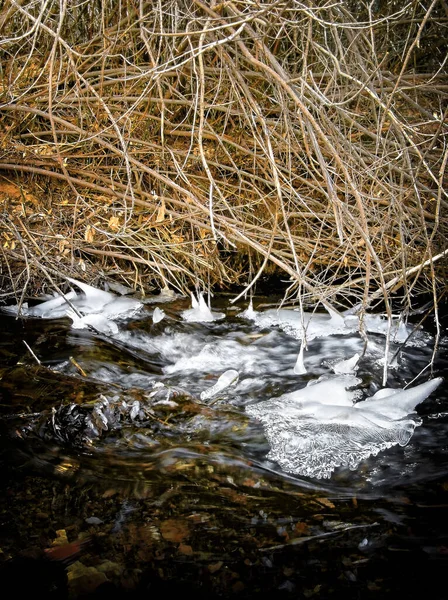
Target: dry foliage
column 203, row 144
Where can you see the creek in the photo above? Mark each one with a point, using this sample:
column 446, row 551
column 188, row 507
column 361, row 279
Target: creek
column 119, row 437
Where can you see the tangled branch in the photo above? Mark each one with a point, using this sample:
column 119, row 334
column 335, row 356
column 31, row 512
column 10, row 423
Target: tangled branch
column 203, row 144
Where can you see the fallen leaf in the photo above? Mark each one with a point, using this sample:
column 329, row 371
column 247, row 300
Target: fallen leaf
column 14, row 191
column 215, row 567
column 186, row 549
column 89, row 234
column 114, row 223
column 161, row 212
column 174, row 530
column 326, row 502
column 301, row 529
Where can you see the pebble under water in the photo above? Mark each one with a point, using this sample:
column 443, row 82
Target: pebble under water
column 144, row 439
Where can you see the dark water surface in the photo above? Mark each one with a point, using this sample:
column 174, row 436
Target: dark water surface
column 108, row 439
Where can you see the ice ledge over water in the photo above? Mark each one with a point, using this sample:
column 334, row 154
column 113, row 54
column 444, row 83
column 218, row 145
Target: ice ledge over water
column 319, row 428
column 311, row 325
column 90, row 306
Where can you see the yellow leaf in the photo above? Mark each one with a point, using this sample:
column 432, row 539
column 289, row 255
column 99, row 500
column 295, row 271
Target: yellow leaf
column 62, row 245
column 161, row 212
column 61, row 538
column 326, row 502
column 177, row 239
column 114, row 223
column 89, row 234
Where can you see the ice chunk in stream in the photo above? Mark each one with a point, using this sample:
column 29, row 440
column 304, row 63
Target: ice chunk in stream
column 158, row 315
column 53, row 308
column 326, row 390
column 398, row 403
column 110, row 305
column 95, row 320
column 299, row 367
column 300, row 324
column 346, row 366
column 200, row 312
column 227, row 379
column 312, row 432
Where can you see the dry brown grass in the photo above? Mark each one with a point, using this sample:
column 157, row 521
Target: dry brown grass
column 186, row 143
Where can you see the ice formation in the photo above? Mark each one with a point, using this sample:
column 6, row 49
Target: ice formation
column 110, row 305
column 307, row 325
column 90, row 301
column 320, row 427
column 158, row 315
column 200, row 312
column 299, row 367
column 311, row 431
column 227, row 379
column 96, row 321
column 347, row 366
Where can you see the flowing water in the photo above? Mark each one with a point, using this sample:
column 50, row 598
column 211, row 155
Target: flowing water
column 122, row 436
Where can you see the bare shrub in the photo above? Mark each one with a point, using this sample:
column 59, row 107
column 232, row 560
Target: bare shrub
column 204, row 144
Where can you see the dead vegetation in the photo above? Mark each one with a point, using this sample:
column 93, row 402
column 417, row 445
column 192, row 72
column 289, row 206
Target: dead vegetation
column 183, row 143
